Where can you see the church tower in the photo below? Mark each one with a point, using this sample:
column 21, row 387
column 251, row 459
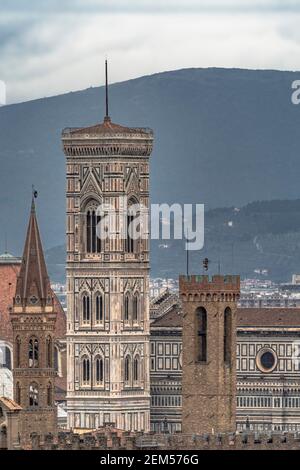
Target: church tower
column 209, row 353
column 33, row 321
column 107, row 279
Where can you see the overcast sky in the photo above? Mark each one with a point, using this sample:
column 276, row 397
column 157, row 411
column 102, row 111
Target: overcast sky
column 49, row 47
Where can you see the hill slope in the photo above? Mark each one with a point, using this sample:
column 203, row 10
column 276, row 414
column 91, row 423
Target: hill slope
column 222, row 137
column 260, row 236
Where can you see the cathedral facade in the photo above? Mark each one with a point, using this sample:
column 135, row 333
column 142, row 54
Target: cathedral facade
column 108, row 333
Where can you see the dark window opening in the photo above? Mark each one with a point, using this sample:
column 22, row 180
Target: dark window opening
column 201, row 317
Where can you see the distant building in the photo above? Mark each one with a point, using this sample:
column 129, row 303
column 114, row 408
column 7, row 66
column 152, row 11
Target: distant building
column 9, row 270
column 267, row 368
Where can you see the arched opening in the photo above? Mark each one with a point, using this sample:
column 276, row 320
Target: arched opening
column 132, row 226
column 99, row 370
column 201, row 331
column 135, row 308
column 18, row 351
column 18, row 393
column 49, row 351
column 33, row 353
column 227, row 335
column 127, row 370
column 136, row 369
column 86, row 370
column 49, row 394
column 33, row 394
column 93, row 242
column 86, row 308
column 99, row 308
column 126, row 308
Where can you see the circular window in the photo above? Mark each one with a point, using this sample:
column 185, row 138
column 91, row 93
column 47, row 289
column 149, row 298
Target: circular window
column 266, row 360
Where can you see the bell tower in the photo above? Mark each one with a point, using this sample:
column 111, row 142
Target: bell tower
column 33, row 321
column 107, row 279
column 209, row 353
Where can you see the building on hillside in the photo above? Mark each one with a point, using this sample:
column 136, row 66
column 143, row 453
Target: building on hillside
column 107, row 279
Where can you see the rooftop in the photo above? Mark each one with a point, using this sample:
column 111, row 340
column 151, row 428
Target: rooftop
column 7, row 258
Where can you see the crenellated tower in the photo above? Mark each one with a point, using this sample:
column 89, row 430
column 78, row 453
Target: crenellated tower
column 209, row 353
column 107, row 280
column 33, row 321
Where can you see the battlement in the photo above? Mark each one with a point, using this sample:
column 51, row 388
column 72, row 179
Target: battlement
column 203, row 284
column 113, row 439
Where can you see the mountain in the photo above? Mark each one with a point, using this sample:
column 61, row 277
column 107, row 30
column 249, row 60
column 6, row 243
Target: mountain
column 261, row 237
column 222, row 137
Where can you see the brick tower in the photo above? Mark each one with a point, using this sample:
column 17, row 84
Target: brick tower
column 209, row 353
column 107, row 280
column 33, row 321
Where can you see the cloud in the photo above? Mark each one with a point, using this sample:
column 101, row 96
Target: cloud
column 50, row 50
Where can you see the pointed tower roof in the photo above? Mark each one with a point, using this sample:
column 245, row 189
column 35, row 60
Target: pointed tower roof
column 33, row 285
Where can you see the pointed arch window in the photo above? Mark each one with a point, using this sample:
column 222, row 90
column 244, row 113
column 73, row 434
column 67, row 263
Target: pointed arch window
column 18, row 351
column 86, row 308
column 49, row 351
column 93, row 242
column 201, row 323
column 49, row 394
column 86, row 370
column 227, row 335
column 18, row 393
column 136, row 369
column 99, row 306
column 135, row 304
column 99, row 370
column 127, row 370
column 33, row 353
column 131, row 226
column 33, row 394
column 126, row 308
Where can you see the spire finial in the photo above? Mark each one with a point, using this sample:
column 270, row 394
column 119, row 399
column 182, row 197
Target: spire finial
column 106, row 93
column 34, row 196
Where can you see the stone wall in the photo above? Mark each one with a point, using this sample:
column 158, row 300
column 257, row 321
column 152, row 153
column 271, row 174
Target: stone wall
column 113, row 439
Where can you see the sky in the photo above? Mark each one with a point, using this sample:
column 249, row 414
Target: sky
column 49, row 47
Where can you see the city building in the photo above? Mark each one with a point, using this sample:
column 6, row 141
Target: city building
column 33, row 320
column 9, row 271
column 107, row 279
column 267, row 368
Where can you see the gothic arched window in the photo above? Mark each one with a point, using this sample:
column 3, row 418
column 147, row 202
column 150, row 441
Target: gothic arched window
column 33, row 353
column 18, row 351
column 33, row 394
column 201, row 331
column 131, row 226
column 93, row 242
column 18, row 393
column 136, row 369
column 99, row 308
column 49, row 351
column 126, row 308
column 49, row 394
column 127, row 370
column 227, row 335
column 86, row 370
column 99, row 370
column 86, row 308
column 135, row 308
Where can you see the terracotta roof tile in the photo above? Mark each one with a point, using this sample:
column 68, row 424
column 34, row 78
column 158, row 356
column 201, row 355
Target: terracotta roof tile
column 172, row 319
column 268, row 317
